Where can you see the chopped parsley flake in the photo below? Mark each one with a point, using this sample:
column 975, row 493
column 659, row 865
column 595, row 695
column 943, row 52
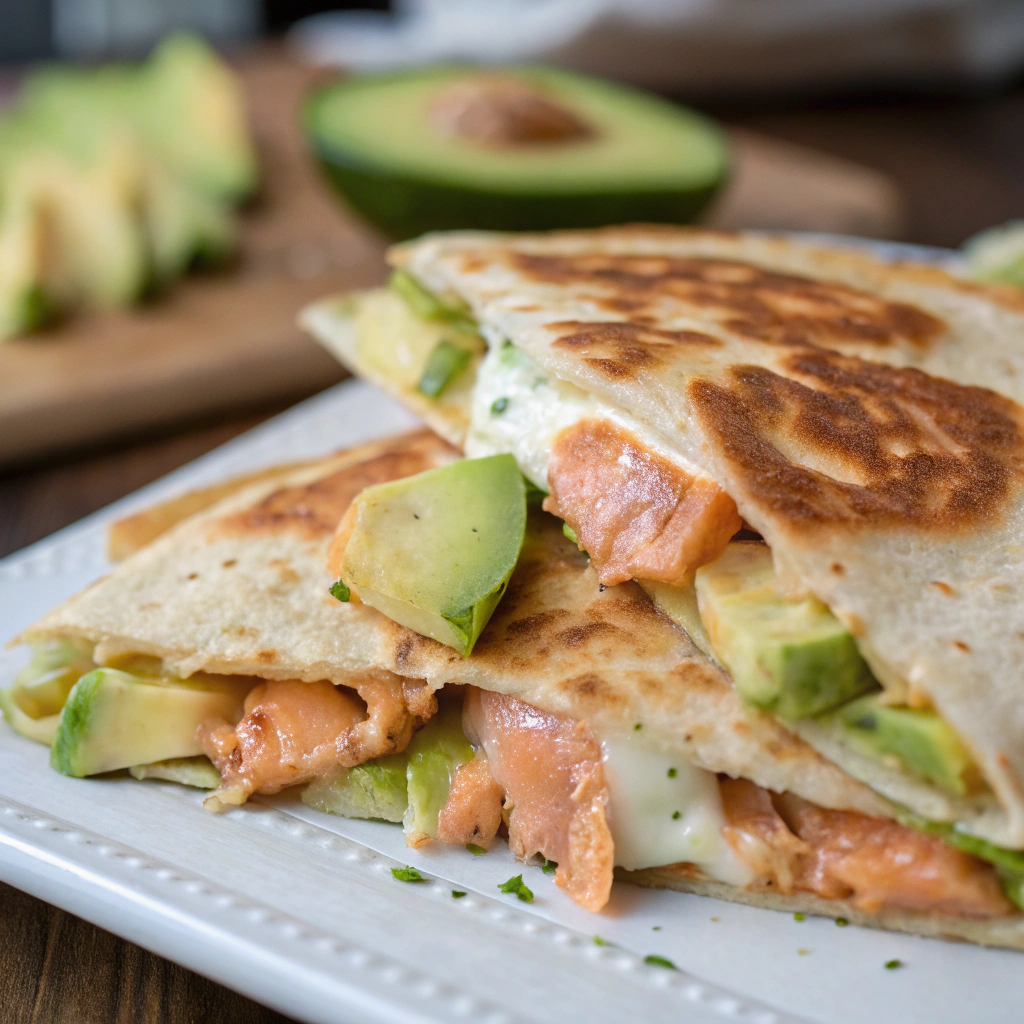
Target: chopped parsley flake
column 598, row 941
column 638, row 727
column 716, row 919
column 892, row 965
column 841, row 922
column 498, row 406
column 477, row 851
column 340, row 591
column 676, row 815
column 548, row 867
column 803, row 952
column 570, row 533
column 407, row 874
column 515, row 886
column 656, row 928
column 660, row 961
column 799, row 916
column 672, row 773
column 457, row 894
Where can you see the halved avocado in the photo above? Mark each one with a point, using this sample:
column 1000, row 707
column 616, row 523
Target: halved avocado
column 511, row 149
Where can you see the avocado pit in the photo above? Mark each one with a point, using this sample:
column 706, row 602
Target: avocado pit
column 503, row 112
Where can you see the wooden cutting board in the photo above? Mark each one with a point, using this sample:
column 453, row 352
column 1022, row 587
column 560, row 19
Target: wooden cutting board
column 219, row 342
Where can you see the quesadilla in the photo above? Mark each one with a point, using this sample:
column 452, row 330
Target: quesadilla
column 585, row 724
column 811, row 459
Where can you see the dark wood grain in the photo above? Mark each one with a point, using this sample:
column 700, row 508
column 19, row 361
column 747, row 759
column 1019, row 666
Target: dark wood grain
column 57, row 968
column 961, row 167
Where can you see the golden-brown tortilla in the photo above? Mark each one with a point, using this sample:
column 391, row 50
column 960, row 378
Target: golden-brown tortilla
column 817, row 388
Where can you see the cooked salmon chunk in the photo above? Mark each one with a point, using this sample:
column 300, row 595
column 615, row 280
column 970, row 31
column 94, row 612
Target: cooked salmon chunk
column 293, row 731
column 874, row 862
column 556, row 798
column 638, row 515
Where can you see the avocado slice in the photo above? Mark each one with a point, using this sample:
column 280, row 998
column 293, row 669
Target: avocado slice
column 435, row 551
column 921, row 741
column 32, row 705
column 185, row 103
column 114, row 719
column 193, row 113
column 197, row 772
column 391, row 148
column 377, row 789
column 997, row 254
column 435, row 752
column 793, row 658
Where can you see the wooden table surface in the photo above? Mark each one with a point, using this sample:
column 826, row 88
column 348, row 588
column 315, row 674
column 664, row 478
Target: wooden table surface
column 961, row 167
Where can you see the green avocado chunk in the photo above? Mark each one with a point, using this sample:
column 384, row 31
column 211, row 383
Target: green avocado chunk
column 435, row 752
column 997, row 255
column 571, row 151
column 113, row 719
column 376, row 789
column 793, row 658
column 32, row 705
column 435, row 551
column 920, row 740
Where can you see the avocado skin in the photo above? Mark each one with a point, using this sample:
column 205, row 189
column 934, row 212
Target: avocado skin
column 406, row 207
column 73, row 722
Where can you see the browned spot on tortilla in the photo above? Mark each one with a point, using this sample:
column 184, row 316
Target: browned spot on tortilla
column 620, row 350
column 266, row 657
column 961, row 646
column 838, row 568
column 761, row 304
column 944, row 587
column 577, row 636
column 312, row 510
column 871, row 444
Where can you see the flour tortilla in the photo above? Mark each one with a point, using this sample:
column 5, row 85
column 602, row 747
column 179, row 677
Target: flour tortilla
column 241, row 588
column 817, row 388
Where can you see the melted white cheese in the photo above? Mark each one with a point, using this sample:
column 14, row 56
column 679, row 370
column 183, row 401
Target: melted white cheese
column 667, row 811
column 518, row 410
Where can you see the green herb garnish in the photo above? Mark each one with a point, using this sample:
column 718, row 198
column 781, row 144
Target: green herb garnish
column 340, row 591
column 841, row 922
column 515, row 886
column 477, row 851
column 660, row 961
column 407, row 874
column 446, row 362
column 457, row 894
column 676, row 815
column 638, row 726
column 598, row 941
column 891, row 965
column 549, row 866
column 570, row 533
column 672, row 773
column 498, row 406
column 799, row 916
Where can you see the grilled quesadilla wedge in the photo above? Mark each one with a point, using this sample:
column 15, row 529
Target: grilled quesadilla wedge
column 585, row 720
column 673, row 388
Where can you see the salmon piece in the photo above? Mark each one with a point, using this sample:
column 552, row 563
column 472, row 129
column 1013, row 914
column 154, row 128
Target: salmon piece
column 293, row 731
column 885, row 864
column 875, row 862
column 556, row 797
column 472, row 812
column 759, row 836
column 638, row 515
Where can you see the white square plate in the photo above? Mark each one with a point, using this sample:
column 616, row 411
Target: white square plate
column 300, row 910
